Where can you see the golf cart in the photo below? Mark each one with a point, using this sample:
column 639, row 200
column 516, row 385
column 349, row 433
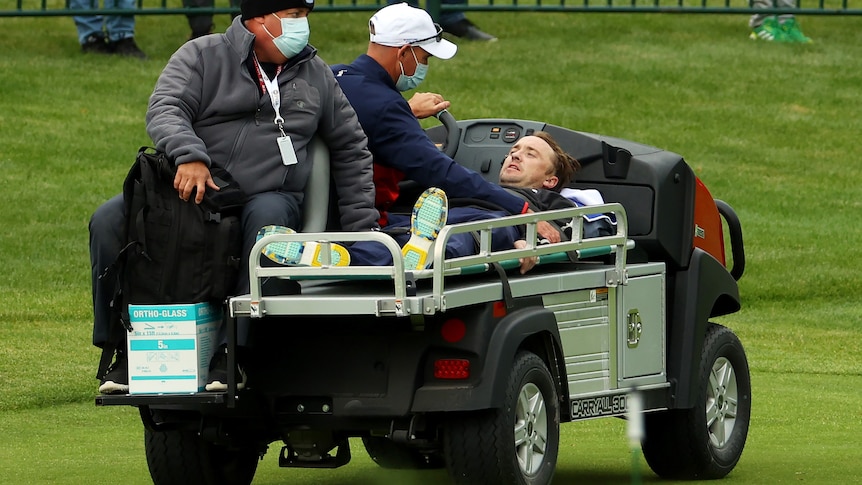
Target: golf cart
column 470, row 365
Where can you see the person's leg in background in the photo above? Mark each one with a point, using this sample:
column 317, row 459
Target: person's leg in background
column 789, row 25
column 772, row 28
column 455, row 22
column 201, row 24
column 763, row 26
column 121, row 30
column 90, row 28
column 235, row 4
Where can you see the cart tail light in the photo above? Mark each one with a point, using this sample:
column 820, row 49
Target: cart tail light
column 451, row 369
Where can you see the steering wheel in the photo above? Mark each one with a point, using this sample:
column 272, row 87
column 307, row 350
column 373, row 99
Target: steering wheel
column 453, row 133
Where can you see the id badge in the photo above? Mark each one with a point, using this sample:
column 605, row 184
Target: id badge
column 285, row 146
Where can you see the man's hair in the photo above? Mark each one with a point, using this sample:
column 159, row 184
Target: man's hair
column 565, row 165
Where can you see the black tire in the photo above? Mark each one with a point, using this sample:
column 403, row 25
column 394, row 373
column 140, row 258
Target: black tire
column 514, row 445
column 389, row 454
column 181, row 457
column 706, row 441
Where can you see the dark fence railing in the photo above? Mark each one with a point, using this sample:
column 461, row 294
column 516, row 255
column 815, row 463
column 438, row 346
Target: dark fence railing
column 55, row 8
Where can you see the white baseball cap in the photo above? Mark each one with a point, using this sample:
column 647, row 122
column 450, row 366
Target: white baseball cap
column 400, row 24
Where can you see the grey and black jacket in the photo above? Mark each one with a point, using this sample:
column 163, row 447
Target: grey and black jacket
column 208, row 106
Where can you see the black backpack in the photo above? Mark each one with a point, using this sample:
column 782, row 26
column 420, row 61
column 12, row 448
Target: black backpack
column 176, row 251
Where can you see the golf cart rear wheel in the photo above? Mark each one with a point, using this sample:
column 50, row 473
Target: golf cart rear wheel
column 513, row 445
column 706, row 441
column 389, row 454
column 181, row 457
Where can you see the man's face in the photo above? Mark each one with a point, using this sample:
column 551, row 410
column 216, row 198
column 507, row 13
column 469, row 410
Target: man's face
column 410, row 57
column 267, row 27
column 273, row 20
column 529, row 165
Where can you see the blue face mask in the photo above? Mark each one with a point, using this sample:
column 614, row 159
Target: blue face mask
column 294, row 36
column 406, row 83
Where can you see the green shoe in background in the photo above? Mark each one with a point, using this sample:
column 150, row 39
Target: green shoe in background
column 791, row 30
column 769, row 31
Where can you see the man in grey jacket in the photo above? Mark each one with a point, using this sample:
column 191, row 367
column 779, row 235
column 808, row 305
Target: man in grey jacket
column 248, row 100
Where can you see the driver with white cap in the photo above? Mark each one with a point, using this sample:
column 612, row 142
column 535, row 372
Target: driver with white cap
column 402, row 40
column 406, row 30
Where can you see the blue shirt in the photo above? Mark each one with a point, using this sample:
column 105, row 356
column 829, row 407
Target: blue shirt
column 397, row 141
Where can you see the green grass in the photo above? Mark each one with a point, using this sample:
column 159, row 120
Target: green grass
column 771, row 129
column 72, row 443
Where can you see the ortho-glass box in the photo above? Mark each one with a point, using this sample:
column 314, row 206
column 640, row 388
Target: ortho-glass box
column 170, row 347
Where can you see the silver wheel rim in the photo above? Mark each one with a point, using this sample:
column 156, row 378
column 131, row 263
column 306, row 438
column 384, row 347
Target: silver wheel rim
column 722, row 401
column 531, row 429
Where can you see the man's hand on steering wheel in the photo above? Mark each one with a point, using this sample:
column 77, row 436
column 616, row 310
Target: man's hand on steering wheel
column 424, row 105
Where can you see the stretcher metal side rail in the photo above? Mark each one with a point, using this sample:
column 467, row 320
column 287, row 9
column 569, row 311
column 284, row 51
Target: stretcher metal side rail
column 409, row 292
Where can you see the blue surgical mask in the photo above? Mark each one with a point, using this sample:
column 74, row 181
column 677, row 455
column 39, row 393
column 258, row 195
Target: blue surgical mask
column 406, row 83
column 294, row 36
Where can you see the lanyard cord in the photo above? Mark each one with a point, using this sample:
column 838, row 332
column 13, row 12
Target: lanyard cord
column 270, row 86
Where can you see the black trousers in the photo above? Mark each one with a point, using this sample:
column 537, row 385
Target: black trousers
column 202, row 24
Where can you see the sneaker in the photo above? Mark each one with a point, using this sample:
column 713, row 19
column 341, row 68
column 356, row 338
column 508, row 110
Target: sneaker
column 116, row 379
column 429, row 216
column 127, row 48
column 96, row 44
column 468, row 30
column 300, row 253
column 218, row 372
column 793, row 33
column 769, row 31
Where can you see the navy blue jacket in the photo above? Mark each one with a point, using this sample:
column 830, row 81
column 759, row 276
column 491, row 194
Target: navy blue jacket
column 400, row 146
